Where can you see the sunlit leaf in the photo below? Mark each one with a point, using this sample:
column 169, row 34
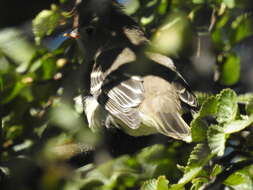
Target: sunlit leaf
column 216, row 139
column 16, row 47
column 172, row 36
column 131, row 6
column 227, row 106
column 198, row 182
column 239, row 180
column 229, row 3
column 202, row 97
column 216, row 170
column 237, row 125
column 198, row 129
column 198, row 1
column 187, row 177
column 156, row 184
column 209, row 107
column 46, row 22
column 199, row 156
column 242, row 26
column 163, row 7
column 231, row 65
column 245, row 98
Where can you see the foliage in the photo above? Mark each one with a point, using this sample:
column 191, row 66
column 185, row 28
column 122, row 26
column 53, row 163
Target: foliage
column 42, row 130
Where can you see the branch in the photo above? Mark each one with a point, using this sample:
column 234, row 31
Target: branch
column 217, row 182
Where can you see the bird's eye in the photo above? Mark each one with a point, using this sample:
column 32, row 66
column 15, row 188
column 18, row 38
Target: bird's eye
column 90, row 30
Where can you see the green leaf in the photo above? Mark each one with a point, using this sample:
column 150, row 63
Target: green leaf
column 216, row 139
column 45, row 23
column 198, row 182
column 131, row 6
column 237, row 125
column 14, row 132
column 198, row 157
column 216, row 170
column 163, row 7
column 187, row 177
column 239, row 180
column 234, row 179
column 202, row 97
column 151, row 154
column 229, row 3
column 162, row 183
column 156, row 184
column 198, row 130
column 249, row 107
column 209, row 107
column 227, row 106
column 231, row 65
column 242, row 26
column 16, row 47
column 198, row 1
column 14, row 92
column 245, row 98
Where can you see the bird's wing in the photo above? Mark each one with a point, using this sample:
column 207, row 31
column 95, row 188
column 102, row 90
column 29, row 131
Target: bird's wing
column 183, row 89
column 107, row 62
column 162, row 104
column 185, row 95
column 121, row 98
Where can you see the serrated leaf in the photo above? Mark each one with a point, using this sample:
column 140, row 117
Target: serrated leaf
column 188, row 176
column 237, row 125
column 149, row 185
column 227, row 106
column 156, row 184
column 209, row 107
column 46, row 22
column 202, row 97
column 198, row 130
column 162, row 183
column 216, row 139
column 198, row 157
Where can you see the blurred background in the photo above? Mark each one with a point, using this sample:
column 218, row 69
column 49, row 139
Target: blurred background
column 44, row 135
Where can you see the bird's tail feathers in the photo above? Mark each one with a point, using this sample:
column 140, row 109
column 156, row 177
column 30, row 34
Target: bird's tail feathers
column 173, row 125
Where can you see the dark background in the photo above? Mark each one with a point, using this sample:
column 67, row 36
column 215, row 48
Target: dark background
column 16, row 12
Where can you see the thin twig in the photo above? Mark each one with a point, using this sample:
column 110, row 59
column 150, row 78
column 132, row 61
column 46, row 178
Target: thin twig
column 217, row 182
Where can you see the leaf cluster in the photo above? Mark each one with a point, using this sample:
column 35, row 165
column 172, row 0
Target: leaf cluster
column 42, row 127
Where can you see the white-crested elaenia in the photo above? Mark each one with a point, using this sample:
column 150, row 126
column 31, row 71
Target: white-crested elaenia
column 130, row 88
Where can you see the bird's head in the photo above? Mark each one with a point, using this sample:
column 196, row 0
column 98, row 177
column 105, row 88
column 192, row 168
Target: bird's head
column 93, row 22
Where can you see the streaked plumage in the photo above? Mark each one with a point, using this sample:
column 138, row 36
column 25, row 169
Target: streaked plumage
column 135, row 90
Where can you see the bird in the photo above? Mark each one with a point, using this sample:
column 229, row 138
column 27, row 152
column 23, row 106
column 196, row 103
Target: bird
column 128, row 86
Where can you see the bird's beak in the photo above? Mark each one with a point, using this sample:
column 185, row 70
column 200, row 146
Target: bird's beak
column 73, row 34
